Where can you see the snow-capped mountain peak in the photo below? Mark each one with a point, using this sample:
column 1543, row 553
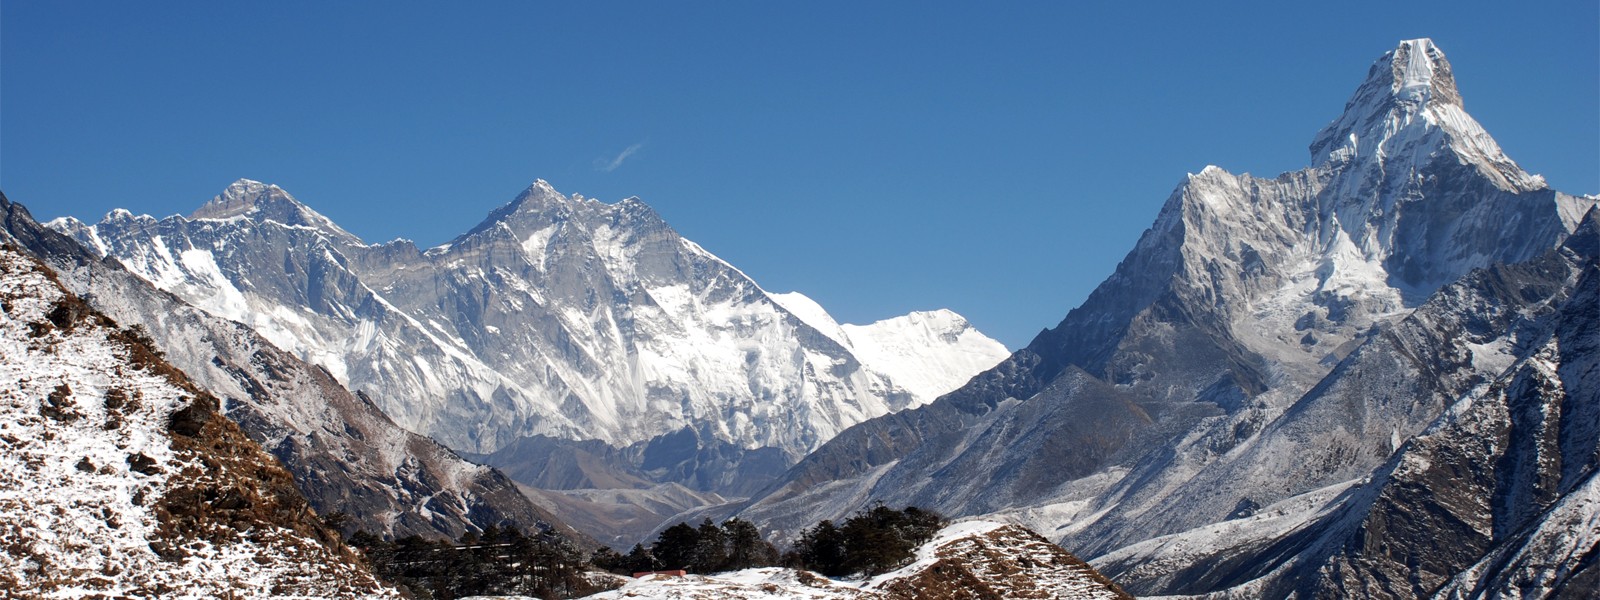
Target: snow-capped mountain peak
column 262, row 202
column 539, row 206
column 1258, row 323
column 538, row 193
column 557, row 315
column 121, row 477
column 931, row 351
column 927, row 352
column 1405, row 114
column 1420, row 70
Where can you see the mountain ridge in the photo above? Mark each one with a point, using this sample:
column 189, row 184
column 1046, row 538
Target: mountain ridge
column 346, row 455
column 555, row 320
column 1234, row 309
column 121, row 476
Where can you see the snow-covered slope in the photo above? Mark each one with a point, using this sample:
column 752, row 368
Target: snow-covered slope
column 117, row 479
column 346, row 455
column 557, row 316
column 927, row 352
column 933, row 351
column 967, row 560
column 1487, row 394
column 1259, row 349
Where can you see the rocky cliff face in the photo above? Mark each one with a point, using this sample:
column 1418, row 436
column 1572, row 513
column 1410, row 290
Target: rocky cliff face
column 121, row 478
column 346, row 456
column 1488, row 475
column 557, row 316
column 1502, row 361
column 1267, row 344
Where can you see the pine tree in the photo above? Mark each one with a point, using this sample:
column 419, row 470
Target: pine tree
column 822, row 549
column 607, row 559
column 746, row 548
column 491, row 534
column 711, row 550
column 675, row 548
column 640, row 559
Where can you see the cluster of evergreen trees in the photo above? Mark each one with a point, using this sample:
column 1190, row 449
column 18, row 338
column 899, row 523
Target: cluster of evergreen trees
column 874, row 541
column 499, row 561
column 547, row 565
column 736, row 544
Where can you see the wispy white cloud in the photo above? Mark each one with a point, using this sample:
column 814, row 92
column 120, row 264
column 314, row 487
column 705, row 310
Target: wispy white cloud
column 611, row 165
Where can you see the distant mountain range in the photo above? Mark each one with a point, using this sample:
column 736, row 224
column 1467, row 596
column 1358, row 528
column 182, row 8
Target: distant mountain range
column 347, row 457
column 557, row 323
column 557, row 316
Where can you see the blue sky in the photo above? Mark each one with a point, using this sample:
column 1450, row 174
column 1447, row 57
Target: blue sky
column 994, row 158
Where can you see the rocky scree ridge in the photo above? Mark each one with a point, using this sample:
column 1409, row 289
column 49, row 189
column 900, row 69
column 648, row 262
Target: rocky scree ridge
column 120, row 478
column 347, row 457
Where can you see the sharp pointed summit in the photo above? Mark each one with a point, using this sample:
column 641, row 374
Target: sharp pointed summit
column 248, row 196
column 1407, row 114
column 539, row 198
column 1263, row 350
column 1418, row 73
column 540, row 192
column 266, row 202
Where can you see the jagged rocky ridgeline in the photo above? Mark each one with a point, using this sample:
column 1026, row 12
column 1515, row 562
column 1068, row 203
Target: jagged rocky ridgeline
column 1373, row 376
column 346, row 456
column 119, row 477
column 557, row 319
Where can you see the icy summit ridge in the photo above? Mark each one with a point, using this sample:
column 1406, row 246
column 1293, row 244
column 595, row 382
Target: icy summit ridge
column 927, row 352
column 263, row 202
column 540, row 205
column 1407, row 113
column 1370, row 220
